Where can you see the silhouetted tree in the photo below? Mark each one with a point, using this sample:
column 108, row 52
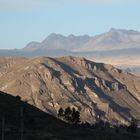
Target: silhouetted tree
column 132, row 127
column 73, row 110
column 18, row 97
column 60, row 112
column 107, row 124
column 68, row 113
column 75, row 116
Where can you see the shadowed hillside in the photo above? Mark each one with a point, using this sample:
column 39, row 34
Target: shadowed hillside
column 21, row 121
column 17, row 116
column 95, row 89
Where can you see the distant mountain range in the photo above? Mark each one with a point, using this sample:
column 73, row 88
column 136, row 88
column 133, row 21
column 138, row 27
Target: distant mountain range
column 59, row 42
column 112, row 47
column 112, row 40
column 135, row 70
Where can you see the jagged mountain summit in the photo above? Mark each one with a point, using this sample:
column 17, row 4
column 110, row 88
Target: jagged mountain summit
column 114, row 39
column 58, row 42
column 95, row 89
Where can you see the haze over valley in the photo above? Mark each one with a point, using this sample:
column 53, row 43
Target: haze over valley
column 118, row 47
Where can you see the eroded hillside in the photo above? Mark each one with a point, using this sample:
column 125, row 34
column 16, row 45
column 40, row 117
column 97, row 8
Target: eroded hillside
column 95, row 89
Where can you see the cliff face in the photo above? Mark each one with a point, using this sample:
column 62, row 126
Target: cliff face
column 95, row 89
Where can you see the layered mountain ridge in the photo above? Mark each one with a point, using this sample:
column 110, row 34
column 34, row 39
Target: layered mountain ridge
column 118, row 47
column 114, row 39
column 58, row 42
column 95, row 89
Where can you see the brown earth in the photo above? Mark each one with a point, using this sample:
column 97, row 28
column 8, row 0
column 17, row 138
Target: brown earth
column 95, row 89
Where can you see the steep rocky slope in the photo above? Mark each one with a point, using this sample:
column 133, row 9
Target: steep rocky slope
column 95, row 89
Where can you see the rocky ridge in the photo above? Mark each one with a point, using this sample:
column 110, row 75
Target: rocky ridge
column 95, row 89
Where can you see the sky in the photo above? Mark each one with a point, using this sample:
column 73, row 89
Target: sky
column 23, row 21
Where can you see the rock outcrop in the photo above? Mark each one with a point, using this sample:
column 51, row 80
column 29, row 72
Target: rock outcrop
column 95, row 89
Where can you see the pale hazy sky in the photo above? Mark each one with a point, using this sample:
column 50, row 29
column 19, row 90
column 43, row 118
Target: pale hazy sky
column 22, row 21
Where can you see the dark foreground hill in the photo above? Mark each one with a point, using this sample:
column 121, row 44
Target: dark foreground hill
column 21, row 121
column 19, row 118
